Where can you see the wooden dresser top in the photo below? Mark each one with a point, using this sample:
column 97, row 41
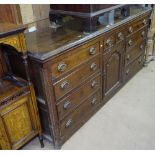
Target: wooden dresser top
column 46, row 42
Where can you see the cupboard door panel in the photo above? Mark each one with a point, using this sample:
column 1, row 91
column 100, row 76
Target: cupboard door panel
column 112, row 69
column 17, row 121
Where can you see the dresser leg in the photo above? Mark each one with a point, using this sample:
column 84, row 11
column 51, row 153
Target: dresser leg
column 57, row 146
column 41, row 141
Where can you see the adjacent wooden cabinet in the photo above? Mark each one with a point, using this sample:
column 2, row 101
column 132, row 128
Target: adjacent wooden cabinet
column 19, row 117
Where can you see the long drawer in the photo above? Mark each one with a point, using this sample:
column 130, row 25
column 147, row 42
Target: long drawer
column 75, row 98
column 136, row 51
column 71, row 122
column 73, row 58
column 72, row 80
column 135, row 38
column 132, row 69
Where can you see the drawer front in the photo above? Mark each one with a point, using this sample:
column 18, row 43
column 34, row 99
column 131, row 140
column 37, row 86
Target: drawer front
column 76, row 98
column 78, row 76
column 109, row 40
column 136, row 25
column 132, row 69
column 71, row 122
column 114, row 37
column 68, row 61
column 134, row 39
column 120, row 35
column 109, row 51
column 132, row 54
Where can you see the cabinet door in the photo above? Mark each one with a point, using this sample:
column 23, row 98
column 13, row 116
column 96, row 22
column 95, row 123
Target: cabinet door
column 18, row 123
column 112, row 69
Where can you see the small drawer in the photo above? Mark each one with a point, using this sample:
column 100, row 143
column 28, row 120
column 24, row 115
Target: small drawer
column 76, row 98
column 136, row 25
column 120, row 36
column 135, row 38
column 73, row 58
column 72, row 121
column 109, row 40
column 132, row 69
column 120, row 47
column 131, row 55
column 72, row 80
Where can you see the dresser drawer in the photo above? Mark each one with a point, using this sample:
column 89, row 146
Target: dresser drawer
column 132, row 69
column 76, row 98
column 136, row 51
column 109, row 51
column 78, row 76
column 72, row 121
column 136, row 25
column 73, row 58
column 120, row 35
column 109, row 40
column 135, row 38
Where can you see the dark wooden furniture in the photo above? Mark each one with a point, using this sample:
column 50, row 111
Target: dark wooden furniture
column 87, row 14
column 19, row 119
column 75, row 74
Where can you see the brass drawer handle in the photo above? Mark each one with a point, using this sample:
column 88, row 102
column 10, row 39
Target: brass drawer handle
column 93, row 66
column 94, row 84
column 92, row 50
column 128, row 57
column 143, row 34
column 94, row 101
column 120, row 36
column 67, row 105
column 141, row 46
column 69, row 123
column 109, row 42
column 64, row 85
column 144, row 22
column 130, row 43
column 127, row 72
column 62, row 66
column 130, row 29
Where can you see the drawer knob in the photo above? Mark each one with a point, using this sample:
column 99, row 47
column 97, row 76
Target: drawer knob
column 127, row 72
column 130, row 29
column 128, row 57
column 141, row 46
column 143, row 34
column 69, row 123
column 109, row 42
column 130, row 43
column 62, row 66
column 120, row 36
column 67, row 105
column 64, row 85
column 94, row 101
column 94, row 84
column 144, row 22
column 93, row 66
column 92, row 50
